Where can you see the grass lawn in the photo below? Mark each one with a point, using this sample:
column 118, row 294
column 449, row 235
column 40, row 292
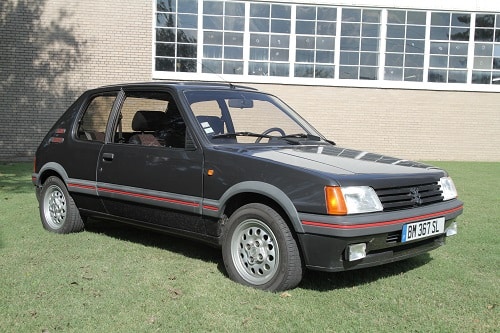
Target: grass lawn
column 118, row 279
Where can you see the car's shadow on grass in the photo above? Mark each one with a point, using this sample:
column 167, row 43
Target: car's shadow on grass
column 313, row 280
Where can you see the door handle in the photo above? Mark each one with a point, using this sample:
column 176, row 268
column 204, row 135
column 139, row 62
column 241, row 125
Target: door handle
column 108, row 157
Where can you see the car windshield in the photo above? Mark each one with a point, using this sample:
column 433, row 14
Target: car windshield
column 248, row 117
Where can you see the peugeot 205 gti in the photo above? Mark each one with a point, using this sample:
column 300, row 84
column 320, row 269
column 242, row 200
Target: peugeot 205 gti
column 237, row 168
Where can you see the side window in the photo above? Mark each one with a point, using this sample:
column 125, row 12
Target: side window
column 92, row 126
column 150, row 119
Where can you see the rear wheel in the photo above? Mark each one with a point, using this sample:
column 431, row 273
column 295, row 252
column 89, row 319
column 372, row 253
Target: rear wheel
column 57, row 209
column 259, row 249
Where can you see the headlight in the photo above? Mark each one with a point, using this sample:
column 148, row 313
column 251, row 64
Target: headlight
column 351, row 200
column 448, row 188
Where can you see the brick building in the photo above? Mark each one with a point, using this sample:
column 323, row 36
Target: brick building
column 414, row 79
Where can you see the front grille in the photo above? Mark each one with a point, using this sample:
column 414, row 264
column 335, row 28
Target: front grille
column 397, row 198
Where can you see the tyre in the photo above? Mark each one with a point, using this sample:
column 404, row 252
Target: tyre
column 259, row 249
column 58, row 211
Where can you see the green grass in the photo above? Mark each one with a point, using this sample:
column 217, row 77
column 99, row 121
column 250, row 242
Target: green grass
column 118, row 279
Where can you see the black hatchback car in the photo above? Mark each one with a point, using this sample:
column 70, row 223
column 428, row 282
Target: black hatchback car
column 237, row 168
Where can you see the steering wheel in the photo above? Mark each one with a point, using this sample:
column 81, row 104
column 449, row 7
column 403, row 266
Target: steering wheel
column 270, row 130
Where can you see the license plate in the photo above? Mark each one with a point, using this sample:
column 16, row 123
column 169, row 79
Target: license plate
column 422, row 229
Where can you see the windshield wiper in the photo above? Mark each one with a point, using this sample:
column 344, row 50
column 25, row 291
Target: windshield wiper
column 301, row 136
column 230, row 135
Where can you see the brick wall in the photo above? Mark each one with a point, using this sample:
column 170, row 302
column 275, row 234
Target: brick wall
column 52, row 50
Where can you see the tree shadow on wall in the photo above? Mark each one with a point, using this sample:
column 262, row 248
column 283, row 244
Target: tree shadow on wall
column 38, row 52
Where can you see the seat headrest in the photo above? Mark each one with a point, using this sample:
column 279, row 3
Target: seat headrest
column 147, row 121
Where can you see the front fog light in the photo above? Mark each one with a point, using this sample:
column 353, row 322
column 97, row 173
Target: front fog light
column 452, row 229
column 356, row 251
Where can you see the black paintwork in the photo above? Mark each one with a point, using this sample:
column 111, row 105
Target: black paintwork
column 170, row 190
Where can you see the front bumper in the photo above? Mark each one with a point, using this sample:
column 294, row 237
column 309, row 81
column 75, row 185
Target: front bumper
column 327, row 238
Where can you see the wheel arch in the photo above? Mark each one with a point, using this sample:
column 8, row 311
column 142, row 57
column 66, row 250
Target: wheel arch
column 51, row 169
column 259, row 192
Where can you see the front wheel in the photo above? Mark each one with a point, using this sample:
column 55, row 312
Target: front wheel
column 259, row 249
column 58, row 211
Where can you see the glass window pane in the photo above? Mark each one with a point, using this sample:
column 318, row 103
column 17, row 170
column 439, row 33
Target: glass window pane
column 414, row 60
column 234, row 8
column 437, row 75
column 370, row 30
column 281, row 11
column 212, row 37
column 165, row 64
column 325, row 43
column 348, row 72
column 439, row 48
column 305, row 27
column 483, row 35
column 187, row 21
column 280, row 26
column 234, row 23
column 368, row 59
column 481, row 49
column 351, row 15
column 440, row 33
column 351, row 44
column 368, row 73
column 186, row 36
column 305, row 42
column 276, row 69
column 416, row 17
column 442, row 19
column 327, row 13
column 213, row 7
column 302, row 70
column 349, row 58
column 278, row 54
column 396, row 16
column 306, row 13
column 280, row 41
column 259, row 25
column 395, row 31
column 212, row 22
column 483, row 63
column 326, row 28
column 165, row 35
column 187, row 6
column 395, row 45
column 165, row 50
column 325, row 57
column 212, row 51
column 231, row 52
column 258, row 68
column 233, row 67
column 165, row 20
column 393, row 73
column 415, row 46
column 394, row 59
column 414, row 74
column 257, row 53
column 324, row 72
column 165, row 6
column 415, row 32
column 260, row 10
column 371, row 15
column 186, row 50
column 460, row 20
column 351, row 29
column 211, row 66
column 460, row 34
column 481, row 77
column 259, row 40
column 186, row 65
column 438, row 61
column 369, row 44
column 458, row 48
column 233, row 38
column 304, row 56
column 458, row 62
column 485, row 20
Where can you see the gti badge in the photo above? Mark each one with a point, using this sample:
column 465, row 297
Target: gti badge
column 415, row 196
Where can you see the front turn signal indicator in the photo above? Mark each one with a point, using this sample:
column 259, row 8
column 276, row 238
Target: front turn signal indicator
column 335, row 203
